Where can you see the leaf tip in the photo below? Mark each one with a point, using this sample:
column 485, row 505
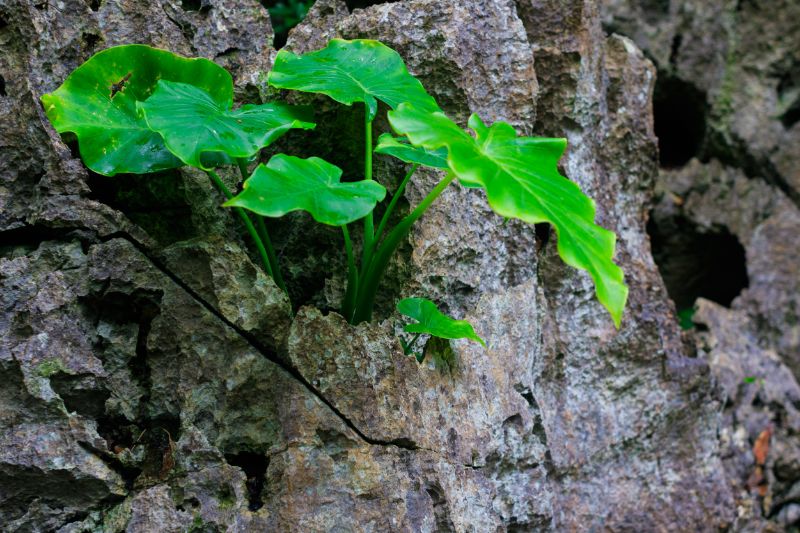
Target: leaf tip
column 616, row 304
column 475, row 123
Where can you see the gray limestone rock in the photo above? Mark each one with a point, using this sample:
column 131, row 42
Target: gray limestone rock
column 154, row 379
column 744, row 59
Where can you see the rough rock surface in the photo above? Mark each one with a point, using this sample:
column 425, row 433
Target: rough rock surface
column 154, row 380
column 742, row 60
column 726, row 220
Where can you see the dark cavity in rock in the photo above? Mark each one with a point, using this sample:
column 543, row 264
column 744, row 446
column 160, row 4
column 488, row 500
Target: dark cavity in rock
column 156, row 202
column 361, row 4
column 91, row 40
column 203, row 6
column 285, row 15
column 679, row 115
column 789, row 96
column 254, row 466
column 441, row 511
column 695, row 263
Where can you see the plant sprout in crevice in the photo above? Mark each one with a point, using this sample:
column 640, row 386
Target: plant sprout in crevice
column 136, row 109
column 132, row 106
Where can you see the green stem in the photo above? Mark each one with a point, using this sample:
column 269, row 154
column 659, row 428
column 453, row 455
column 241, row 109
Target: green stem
column 374, row 272
column 352, row 277
column 397, row 194
column 369, row 235
column 408, row 348
column 273, row 259
column 245, row 219
column 242, row 164
column 274, row 269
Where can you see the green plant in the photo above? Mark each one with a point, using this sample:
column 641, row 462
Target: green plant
column 432, row 322
column 685, row 317
column 136, row 109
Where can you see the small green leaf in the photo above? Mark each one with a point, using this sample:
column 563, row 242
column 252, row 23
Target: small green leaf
column 400, row 148
column 97, row 103
column 521, row 179
column 685, row 318
column 361, row 70
column 288, row 183
column 193, row 124
column 434, row 322
column 750, row 379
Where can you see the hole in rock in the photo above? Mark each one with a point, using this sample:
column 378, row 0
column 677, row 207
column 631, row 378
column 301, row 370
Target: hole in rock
column 789, row 96
column 229, row 51
column 91, row 40
column 3, row 86
column 654, row 10
column 94, row 5
column 156, row 202
column 26, row 239
column 542, row 235
column 526, row 393
column 71, row 141
column 254, row 466
column 81, row 394
column 679, row 114
column 361, row 4
column 118, row 431
column 202, row 6
column 153, row 433
column 697, row 264
column 675, row 48
column 441, row 511
column 335, row 443
column 191, row 503
column 159, row 435
column 285, row 15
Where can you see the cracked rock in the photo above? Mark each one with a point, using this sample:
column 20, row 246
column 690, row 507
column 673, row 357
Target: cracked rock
column 154, row 378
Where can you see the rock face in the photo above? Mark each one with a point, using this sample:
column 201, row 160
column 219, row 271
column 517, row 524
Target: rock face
column 155, row 380
column 726, row 218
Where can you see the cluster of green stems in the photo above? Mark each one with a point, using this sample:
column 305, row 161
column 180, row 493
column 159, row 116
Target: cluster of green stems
column 378, row 244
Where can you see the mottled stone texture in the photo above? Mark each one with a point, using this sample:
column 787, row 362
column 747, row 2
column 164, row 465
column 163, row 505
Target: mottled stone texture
column 729, row 82
column 153, row 378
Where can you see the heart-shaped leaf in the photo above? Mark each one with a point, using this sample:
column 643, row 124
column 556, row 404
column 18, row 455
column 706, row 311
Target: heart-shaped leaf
column 434, row 322
column 402, row 150
column 288, row 183
column 194, row 125
column 97, row 103
column 361, row 70
column 521, row 179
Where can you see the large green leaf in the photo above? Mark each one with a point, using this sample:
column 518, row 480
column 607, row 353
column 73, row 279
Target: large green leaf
column 288, row 183
column 194, row 125
column 97, row 103
column 521, row 179
column 402, row 150
column 361, row 70
column 434, row 322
